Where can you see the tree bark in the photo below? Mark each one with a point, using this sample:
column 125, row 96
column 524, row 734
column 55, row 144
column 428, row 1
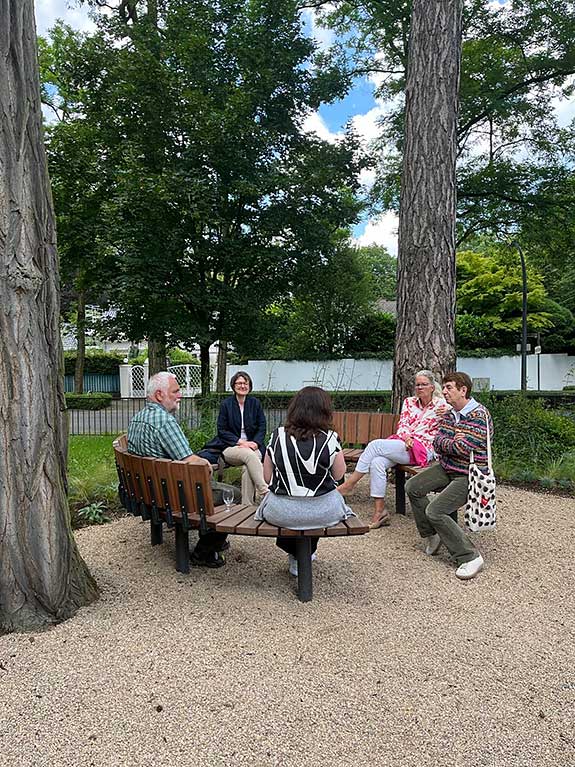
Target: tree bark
column 43, row 579
column 426, row 260
column 221, row 379
column 80, row 344
column 157, row 356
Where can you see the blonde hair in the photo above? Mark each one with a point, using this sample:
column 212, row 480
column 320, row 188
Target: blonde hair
column 432, row 380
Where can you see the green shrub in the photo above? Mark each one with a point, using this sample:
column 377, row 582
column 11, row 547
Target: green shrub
column 374, row 401
column 94, row 401
column 96, row 361
column 531, row 441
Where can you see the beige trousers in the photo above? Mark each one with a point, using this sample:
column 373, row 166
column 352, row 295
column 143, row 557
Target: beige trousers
column 253, row 474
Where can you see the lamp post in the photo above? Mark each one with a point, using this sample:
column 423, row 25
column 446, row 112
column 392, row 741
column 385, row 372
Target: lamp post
column 523, row 317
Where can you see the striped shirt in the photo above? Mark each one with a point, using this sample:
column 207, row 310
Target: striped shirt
column 302, row 468
column 459, row 434
column 155, row 433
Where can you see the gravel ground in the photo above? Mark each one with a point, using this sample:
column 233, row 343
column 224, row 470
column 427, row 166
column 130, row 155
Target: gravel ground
column 395, row 662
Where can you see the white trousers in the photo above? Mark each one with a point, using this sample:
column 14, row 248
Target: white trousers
column 253, row 472
column 379, row 456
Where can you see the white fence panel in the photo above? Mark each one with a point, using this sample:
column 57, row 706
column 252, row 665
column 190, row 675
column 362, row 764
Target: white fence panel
column 553, row 371
column 189, row 377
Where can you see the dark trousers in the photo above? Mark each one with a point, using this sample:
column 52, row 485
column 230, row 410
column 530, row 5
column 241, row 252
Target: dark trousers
column 288, row 545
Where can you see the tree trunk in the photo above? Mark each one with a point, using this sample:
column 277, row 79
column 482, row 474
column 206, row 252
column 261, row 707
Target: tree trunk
column 157, row 356
column 81, row 344
column 425, row 335
column 222, row 366
column 205, row 371
column 43, row 579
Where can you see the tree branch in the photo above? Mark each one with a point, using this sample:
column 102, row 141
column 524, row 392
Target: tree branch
column 510, row 91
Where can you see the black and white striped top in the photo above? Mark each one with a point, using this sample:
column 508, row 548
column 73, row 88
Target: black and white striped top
column 302, row 468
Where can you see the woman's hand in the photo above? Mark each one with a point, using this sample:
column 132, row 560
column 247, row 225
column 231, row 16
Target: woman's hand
column 408, row 442
column 442, row 409
column 249, row 445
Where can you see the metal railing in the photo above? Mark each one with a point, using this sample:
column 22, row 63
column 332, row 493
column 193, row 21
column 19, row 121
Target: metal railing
column 115, row 418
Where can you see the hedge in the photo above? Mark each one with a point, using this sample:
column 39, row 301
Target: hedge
column 96, row 361
column 95, row 401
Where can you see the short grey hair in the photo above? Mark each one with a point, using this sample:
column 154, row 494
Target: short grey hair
column 437, row 391
column 159, row 382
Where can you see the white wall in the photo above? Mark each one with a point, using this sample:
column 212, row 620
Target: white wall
column 373, row 375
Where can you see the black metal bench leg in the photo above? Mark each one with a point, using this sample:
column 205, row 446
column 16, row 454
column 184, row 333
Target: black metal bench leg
column 182, row 550
column 156, row 533
column 304, row 571
column 399, row 492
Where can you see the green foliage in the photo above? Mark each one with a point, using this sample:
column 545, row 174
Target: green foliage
column 527, row 436
column 219, row 199
column 93, row 514
column 515, row 161
column 92, row 478
column 96, row 361
column 181, row 357
column 489, row 286
column 373, row 336
column 95, row 401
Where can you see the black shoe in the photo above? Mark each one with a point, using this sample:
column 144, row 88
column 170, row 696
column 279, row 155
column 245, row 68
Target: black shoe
column 225, row 546
column 212, row 559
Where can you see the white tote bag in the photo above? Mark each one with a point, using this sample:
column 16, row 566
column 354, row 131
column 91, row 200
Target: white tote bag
column 481, row 508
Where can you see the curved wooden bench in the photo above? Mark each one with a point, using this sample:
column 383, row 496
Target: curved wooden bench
column 179, row 495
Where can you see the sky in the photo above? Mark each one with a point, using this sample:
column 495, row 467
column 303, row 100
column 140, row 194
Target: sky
column 359, row 106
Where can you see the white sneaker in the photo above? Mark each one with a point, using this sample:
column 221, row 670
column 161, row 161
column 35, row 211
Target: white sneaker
column 470, row 569
column 432, row 544
column 293, row 563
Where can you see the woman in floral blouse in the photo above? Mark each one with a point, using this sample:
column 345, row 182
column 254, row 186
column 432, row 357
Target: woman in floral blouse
column 413, row 443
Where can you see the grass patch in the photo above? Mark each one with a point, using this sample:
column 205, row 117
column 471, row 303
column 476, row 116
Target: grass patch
column 92, row 478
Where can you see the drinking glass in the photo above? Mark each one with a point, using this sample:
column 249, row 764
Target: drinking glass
column 228, row 497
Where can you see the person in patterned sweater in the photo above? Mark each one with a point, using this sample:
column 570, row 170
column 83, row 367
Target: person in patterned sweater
column 463, row 429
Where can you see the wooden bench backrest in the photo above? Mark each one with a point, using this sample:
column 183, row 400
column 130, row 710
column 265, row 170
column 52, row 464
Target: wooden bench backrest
column 181, row 481
column 163, row 483
column 361, row 428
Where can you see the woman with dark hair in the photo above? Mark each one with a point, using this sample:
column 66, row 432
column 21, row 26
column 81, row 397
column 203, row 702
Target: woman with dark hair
column 241, row 434
column 303, row 461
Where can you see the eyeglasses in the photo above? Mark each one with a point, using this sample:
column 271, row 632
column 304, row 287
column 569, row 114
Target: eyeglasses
column 241, row 383
column 422, row 386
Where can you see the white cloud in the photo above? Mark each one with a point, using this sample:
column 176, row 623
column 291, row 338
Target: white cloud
column 381, row 231
column 564, row 110
column 325, row 38
column 314, row 123
column 48, row 11
column 366, row 124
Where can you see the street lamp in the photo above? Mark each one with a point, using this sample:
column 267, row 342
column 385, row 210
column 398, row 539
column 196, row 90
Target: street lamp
column 523, row 316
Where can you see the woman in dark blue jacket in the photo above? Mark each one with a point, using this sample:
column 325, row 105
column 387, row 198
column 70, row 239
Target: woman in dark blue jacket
column 241, row 434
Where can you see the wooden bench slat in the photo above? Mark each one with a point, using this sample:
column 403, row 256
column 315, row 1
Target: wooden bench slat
column 268, row 530
column 352, row 453
column 249, row 527
column 339, row 529
column 355, row 526
column 237, row 518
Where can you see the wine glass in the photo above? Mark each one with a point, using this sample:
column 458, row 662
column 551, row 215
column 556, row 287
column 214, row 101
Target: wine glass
column 228, row 497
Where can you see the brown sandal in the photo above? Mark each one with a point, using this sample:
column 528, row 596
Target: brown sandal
column 383, row 521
